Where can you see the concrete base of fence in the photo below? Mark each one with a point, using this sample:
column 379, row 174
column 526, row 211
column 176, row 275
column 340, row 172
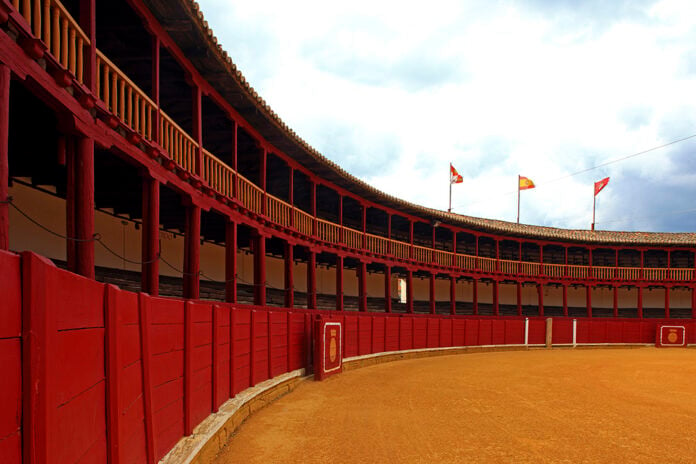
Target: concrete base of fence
column 211, row 435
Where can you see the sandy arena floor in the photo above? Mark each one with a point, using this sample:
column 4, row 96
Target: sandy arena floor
column 519, row 407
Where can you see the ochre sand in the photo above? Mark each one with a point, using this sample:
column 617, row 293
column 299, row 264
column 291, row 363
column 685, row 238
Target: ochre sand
column 601, row 405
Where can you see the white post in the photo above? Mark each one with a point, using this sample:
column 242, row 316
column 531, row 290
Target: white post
column 575, row 332
column 526, row 331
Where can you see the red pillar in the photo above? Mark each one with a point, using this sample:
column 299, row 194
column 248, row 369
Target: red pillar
column 640, row 302
column 313, row 199
column 262, row 168
column 4, row 156
column 667, row 303
column 84, row 206
column 197, row 122
column 289, row 276
column 364, row 226
column 519, row 298
column 540, row 293
column 339, row 283
column 230, row 261
column 150, row 236
column 192, row 252
column 432, row 293
column 475, row 297
column 156, row 136
column 453, row 295
column 409, row 290
column 496, row 300
column 588, row 300
column 410, row 239
column 260, row 270
column 362, row 286
column 88, row 23
column 312, row 279
column 565, row 300
column 616, row 301
column 387, row 289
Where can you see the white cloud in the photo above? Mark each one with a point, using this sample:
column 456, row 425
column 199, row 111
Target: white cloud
column 499, row 89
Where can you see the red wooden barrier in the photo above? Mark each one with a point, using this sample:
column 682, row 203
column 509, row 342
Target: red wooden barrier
column 241, row 329
column 562, row 332
column 391, row 341
column 379, row 334
column 364, row 335
column 405, row 333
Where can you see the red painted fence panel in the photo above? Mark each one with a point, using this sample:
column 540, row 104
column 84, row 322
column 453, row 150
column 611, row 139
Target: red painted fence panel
column 350, row 347
column 241, row 329
column 433, row 340
column 445, row 332
column 405, row 333
column 199, row 363
column 537, row 331
column 420, row 332
column 514, row 332
column 562, row 332
column 259, row 347
column 458, row 332
column 378, row 334
column 391, row 342
column 364, row 335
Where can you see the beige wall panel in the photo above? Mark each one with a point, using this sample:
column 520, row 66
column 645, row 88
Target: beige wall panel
column 602, row 297
column 326, row 280
column 680, row 298
column 507, row 294
column 654, row 298
column 628, row 298
column 553, row 296
column 442, row 288
column 421, row 289
column 530, row 297
column 576, row 297
column 485, row 293
column 464, row 291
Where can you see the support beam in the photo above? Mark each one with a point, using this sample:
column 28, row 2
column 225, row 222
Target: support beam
column 230, row 261
column 150, row 236
column 88, row 23
column 259, row 270
column 453, row 295
column 432, row 293
column 197, row 122
column 362, row 286
column 5, row 77
column 83, row 177
column 311, row 279
column 289, row 257
column 387, row 289
column 156, row 135
column 192, row 252
column 339, row 283
column 693, row 302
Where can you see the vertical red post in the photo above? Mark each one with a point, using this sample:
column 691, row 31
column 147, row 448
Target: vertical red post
column 588, row 300
column 113, row 373
column 519, row 298
column 71, row 245
column 215, row 375
column 312, row 279
column 150, row 236
column 313, row 199
column 192, row 252
column 197, row 123
column 409, row 291
column 410, row 238
column 387, row 289
column 453, row 295
column 389, row 243
column 235, row 143
column 156, row 136
column 667, row 316
column 84, row 206
column 475, row 297
column 616, row 301
column 188, row 368
column 362, row 286
column 146, row 367
column 540, row 292
column 496, row 298
column 541, row 259
column 432, row 291
column 339, row 283
column 291, row 194
column 364, row 226
column 289, row 275
column 454, row 249
column 5, row 77
column 640, row 302
column 230, row 261
column 260, row 270
column 432, row 253
column 263, row 175
column 88, row 23
column 341, row 233
column 565, row 300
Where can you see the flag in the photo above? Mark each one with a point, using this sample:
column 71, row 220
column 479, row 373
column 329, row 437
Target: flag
column 599, row 185
column 526, row 183
column 455, row 178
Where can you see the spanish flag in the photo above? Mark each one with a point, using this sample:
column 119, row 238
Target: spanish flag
column 526, row 183
column 600, row 184
column 455, row 177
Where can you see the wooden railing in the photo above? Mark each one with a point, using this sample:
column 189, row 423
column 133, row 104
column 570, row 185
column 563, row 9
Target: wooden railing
column 353, row 238
column 123, row 98
column 303, row 221
column 654, row 274
column 554, row 270
column 422, row 254
column 50, row 22
column 443, row 258
column 278, row 211
column 466, row 262
column 400, row 249
column 218, row 175
column 681, row 274
column 628, row 273
column 486, row 264
column 328, row 231
column 250, row 195
column 603, row 273
column 509, row 267
column 530, row 269
column 376, row 244
column 175, row 141
column 578, row 272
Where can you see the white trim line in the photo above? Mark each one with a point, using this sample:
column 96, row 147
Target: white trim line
column 575, row 332
column 419, row 350
column 526, row 331
column 615, row 344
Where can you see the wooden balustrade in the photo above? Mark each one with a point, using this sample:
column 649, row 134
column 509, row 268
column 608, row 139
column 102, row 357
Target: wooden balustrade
column 509, row 267
column 603, row 273
column 123, row 98
column 530, row 269
column 303, row 221
column 578, row 272
column 328, row 231
column 443, row 258
column 51, row 23
column 554, row 270
column 681, row 273
column 487, row 264
column 250, row 195
column 376, row 244
column 466, row 262
column 400, row 249
column 654, row 274
column 180, row 146
column 278, row 211
column 353, row 238
column 628, row 273
column 218, row 175
column 422, row 254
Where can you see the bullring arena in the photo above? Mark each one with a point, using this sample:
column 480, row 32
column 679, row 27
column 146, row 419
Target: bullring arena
column 178, row 267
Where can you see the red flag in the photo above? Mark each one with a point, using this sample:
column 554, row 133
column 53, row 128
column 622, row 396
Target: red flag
column 598, row 186
column 455, row 178
column 526, row 183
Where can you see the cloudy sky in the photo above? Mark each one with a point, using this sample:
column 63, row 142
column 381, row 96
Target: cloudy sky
column 395, row 90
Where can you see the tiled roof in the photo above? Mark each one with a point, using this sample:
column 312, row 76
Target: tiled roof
column 367, row 191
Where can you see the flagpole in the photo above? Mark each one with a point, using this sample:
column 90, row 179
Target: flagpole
column 594, row 202
column 518, row 198
column 449, row 210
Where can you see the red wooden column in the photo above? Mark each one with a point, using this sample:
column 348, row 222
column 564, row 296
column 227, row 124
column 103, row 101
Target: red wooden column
column 291, row 193
column 230, row 261
column 313, row 198
column 362, row 286
column 312, row 279
column 640, row 301
column 588, row 299
column 88, row 23
column 259, row 270
column 83, row 205
column 4, row 156
column 519, row 298
column 262, row 168
column 616, row 301
column 289, row 275
column 192, row 252
column 364, row 225
column 409, row 290
column 387, row 289
column 432, row 293
column 235, row 146
column 565, row 300
column 496, row 298
column 156, row 136
column 410, row 238
column 475, row 297
column 667, row 316
column 540, row 297
column 339, row 283
column 389, row 243
column 453, row 295
column 197, row 123
column 150, row 236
